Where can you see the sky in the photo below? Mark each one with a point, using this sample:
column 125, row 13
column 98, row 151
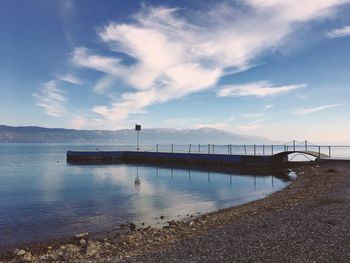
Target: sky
column 273, row 68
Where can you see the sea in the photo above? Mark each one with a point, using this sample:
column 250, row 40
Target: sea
column 42, row 197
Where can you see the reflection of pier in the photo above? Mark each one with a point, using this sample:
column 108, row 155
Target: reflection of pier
column 189, row 171
column 280, row 173
column 137, row 180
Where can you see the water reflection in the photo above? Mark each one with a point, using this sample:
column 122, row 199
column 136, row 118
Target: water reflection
column 164, row 191
column 137, row 181
column 54, row 199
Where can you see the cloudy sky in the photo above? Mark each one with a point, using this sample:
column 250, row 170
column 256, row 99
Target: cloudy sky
column 274, row 68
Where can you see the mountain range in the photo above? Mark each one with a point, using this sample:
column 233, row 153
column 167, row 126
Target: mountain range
column 32, row 134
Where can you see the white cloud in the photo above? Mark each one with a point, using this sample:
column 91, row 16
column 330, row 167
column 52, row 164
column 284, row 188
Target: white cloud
column 249, row 127
column 180, row 123
column 253, row 124
column 253, row 115
column 258, row 89
column 175, row 56
column 67, row 5
column 52, row 99
column 104, row 84
column 70, row 79
column 316, row 109
column 259, row 120
column 82, row 57
column 219, row 125
column 268, row 106
column 339, row 32
column 298, row 10
column 78, row 122
column 223, row 125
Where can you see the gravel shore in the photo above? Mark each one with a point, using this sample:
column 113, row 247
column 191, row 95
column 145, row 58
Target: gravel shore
column 308, row 221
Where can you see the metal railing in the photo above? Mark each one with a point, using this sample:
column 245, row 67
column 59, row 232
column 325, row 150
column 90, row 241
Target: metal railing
column 331, row 151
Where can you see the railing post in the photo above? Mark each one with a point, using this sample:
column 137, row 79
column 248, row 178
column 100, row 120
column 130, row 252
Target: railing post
column 208, row 148
column 294, row 145
column 263, row 149
column 230, row 149
column 199, row 148
column 189, row 150
column 254, row 149
column 319, row 151
column 305, row 145
column 272, row 149
column 213, row 148
column 157, row 147
column 245, row 150
column 172, row 148
column 329, row 151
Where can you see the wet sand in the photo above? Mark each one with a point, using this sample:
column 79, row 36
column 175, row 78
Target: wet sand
column 307, row 221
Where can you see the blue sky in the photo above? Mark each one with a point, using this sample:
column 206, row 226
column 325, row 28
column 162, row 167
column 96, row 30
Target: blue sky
column 274, row 68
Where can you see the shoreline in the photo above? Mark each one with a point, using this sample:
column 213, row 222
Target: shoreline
column 314, row 183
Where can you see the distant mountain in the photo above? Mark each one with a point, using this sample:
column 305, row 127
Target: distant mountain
column 29, row 134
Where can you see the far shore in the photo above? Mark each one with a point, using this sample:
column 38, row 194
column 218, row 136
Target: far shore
column 294, row 224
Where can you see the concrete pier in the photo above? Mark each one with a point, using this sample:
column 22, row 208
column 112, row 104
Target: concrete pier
column 161, row 157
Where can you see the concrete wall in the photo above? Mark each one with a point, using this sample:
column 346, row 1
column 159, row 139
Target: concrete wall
column 154, row 157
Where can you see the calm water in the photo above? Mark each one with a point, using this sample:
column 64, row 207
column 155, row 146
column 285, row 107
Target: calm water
column 43, row 197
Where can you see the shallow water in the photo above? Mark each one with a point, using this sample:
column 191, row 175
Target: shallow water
column 42, row 197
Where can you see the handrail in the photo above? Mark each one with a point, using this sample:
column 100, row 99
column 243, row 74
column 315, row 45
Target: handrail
column 333, row 151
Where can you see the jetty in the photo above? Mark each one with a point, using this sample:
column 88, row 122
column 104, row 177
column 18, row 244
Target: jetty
column 228, row 155
column 163, row 157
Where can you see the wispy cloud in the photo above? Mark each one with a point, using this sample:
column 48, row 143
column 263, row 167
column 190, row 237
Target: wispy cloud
column 224, row 125
column 339, row 32
column 219, row 125
column 249, row 127
column 316, row 109
column 70, row 79
column 82, row 57
column 175, row 56
column 51, row 99
column 298, row 10
column 253, row 124
column 257, row 89
column 104, row 84
column 268, row 106
column 253, row 115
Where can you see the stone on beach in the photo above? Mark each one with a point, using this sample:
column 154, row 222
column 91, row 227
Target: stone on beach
column 19, row 252
column 27, row 257
column 93, row 248
column 82, row 242
column 81, row 235
column 70, row 251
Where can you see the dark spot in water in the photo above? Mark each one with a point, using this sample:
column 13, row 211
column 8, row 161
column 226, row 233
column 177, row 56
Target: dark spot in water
column 132, row 226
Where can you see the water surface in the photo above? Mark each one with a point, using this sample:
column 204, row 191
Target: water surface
column 42, row 197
